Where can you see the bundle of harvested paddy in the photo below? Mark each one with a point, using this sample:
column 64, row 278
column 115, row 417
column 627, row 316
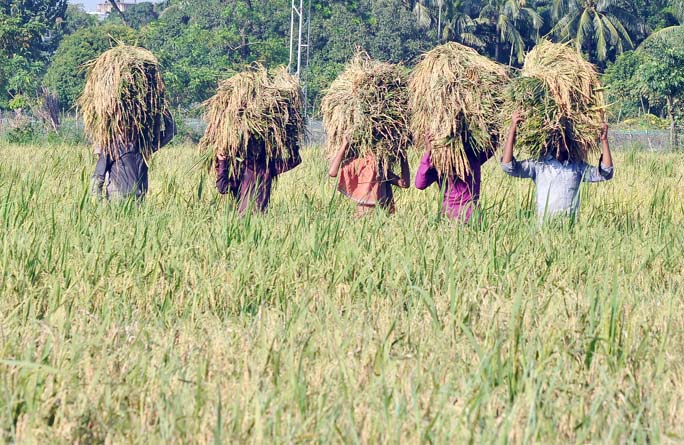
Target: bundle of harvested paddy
column 369, row 103
column 288, row 104
column 123, row 102
column 562, row 99
column 255, row 116
column 456, row 96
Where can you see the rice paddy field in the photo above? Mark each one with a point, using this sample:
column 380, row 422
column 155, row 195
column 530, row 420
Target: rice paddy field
column 178, row 322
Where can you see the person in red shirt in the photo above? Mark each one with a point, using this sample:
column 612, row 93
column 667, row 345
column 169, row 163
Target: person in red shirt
column 363, row 182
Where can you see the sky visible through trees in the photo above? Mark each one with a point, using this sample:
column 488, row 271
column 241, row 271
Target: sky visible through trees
column 90, row 5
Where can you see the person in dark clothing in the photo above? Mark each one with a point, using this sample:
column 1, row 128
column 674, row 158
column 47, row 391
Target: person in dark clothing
column 251, row 185
column 125, row 175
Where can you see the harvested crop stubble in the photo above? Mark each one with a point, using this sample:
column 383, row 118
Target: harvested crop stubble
column 369, row 103
column 456, row 96
column 255, row 115
column 123, row 102
column 562, row 98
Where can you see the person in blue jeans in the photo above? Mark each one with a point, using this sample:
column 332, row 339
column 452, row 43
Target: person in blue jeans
column 557, row 179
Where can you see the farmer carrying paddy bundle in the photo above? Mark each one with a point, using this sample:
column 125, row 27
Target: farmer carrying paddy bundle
column 366, row 114
column 559, row 106
column 456, row 95
column 126, row 116
column 255, row 128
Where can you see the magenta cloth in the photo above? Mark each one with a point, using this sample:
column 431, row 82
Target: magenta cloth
column 460, row 196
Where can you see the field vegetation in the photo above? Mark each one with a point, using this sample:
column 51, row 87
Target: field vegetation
column 178, row 322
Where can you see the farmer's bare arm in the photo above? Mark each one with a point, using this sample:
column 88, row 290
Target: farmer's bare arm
column 606, row 157
column 403, row 181
column 604, row 171
column 510, row 140
column 339, row 157
column 429, row 141
column 522, row 169
column 169, row 132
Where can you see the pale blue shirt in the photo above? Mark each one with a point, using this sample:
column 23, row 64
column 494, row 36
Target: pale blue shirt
column 557, row 183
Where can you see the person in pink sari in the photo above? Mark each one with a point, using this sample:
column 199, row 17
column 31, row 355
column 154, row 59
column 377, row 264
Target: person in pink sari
column 460, row 195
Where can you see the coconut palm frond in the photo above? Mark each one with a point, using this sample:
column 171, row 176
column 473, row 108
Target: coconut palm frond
column 597, row 27
column 620, row 28
column 422, row 14
column 534, row 17
column 472, row 40
column 584, row 30
column 628, row 20
column 601, row 41
column 563, row 28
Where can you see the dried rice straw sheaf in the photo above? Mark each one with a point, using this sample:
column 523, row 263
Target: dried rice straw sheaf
column 123, row 102
column 561, row 96
column 255, row 115
column 456, row 96
column 369, row 103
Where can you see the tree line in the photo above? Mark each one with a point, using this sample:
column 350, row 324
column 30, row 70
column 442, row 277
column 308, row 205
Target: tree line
column 43, row 43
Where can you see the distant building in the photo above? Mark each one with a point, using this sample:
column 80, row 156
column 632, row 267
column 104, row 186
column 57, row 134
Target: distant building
column 106, row 8
column 97, row 14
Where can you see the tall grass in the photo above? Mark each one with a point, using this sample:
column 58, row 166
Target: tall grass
column 178, row 322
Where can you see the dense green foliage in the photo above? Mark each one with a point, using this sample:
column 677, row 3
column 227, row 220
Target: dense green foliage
column 77, row 18
column 625, row 88
column 199, row 43
column 662, row 71
column 138, row 15
column 30, row 31
column 66, row 75
column 651, row 79
column 178, row 322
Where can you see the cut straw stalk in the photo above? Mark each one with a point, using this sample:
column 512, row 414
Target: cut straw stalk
column 369, row 103
column 123, row 102
column 561, row 96
column 456, row 96
column 255, row 116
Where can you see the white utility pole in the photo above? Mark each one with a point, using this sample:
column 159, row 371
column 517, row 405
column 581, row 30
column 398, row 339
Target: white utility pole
column 292, row 23
column 306, row 68
column 296, row 16
column 298, row 20
column 299, row 39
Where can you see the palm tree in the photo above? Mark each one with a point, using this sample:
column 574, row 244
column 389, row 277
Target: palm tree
column 678, row 6
column 452, row 22
column 421, row 10
column 513, row 20
column 596, row 26
column 460, row 27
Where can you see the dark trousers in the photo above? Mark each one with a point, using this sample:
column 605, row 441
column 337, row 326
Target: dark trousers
column 123, row 178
